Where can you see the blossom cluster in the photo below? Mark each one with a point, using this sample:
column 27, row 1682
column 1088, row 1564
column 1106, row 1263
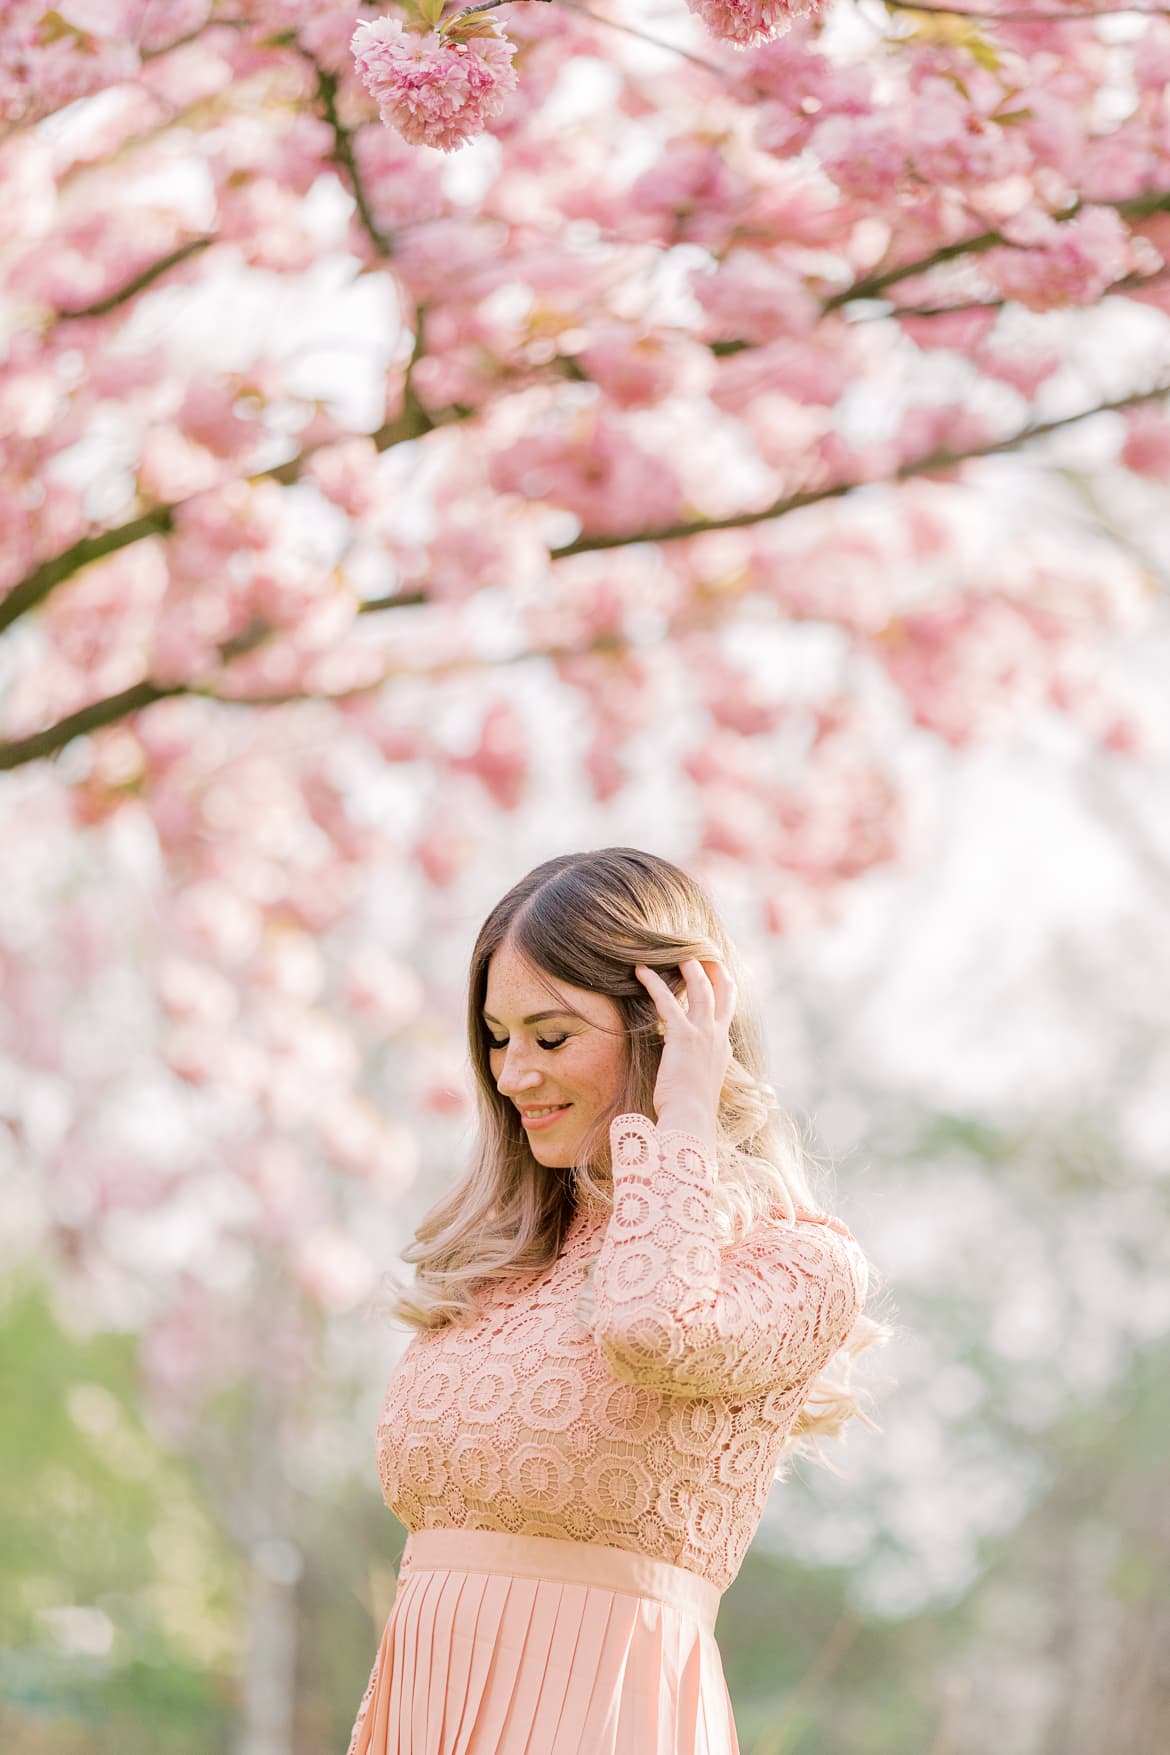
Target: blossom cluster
column 441, row 84
column 435, row 90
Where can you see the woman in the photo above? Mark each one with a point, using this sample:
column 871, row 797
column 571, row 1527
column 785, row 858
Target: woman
column 622, row 1312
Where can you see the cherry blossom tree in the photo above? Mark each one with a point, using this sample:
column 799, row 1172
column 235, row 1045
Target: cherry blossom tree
column 772, row 384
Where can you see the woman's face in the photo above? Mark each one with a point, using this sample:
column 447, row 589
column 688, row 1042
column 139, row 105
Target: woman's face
column 573, row 1067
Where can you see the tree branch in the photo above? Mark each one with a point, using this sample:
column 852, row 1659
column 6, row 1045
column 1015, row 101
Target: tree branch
column 144, row 278
column 53, row 738
column 1066, row 14
column 31, row 591
column 872, row 286
column 144, row 56
column 1127, row 283
column 18, row 752
column 780, row 508
column 644, row 36
column 96, row 714
column 342, row 154
column 445, row 24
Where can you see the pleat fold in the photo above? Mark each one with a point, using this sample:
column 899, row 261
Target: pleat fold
column 481, row 1662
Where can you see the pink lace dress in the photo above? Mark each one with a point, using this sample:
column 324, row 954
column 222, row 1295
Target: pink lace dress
column 580, row 1479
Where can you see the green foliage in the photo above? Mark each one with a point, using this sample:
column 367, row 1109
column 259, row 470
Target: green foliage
column 117, row 1619
column 422, row 15
column 478, row 25
column 1087, row 1571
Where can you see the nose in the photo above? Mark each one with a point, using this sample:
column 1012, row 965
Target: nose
column 517, row 1077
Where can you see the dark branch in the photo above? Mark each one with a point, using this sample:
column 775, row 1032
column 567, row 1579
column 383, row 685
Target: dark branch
column 32, row 590
column 936, row 460
column 872, row 286
column 470, row 12
column 16, row 752
column 53, row 738
column 146, row 277
column 1066, row 14
column 343, row 155
column 39, row 745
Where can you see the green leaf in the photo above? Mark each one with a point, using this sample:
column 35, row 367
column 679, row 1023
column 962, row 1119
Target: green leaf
column 983, row 52
column 53, row 27
column 478, row 25
column 416, row 15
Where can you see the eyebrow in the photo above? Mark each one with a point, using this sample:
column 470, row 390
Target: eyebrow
column 532, row 1018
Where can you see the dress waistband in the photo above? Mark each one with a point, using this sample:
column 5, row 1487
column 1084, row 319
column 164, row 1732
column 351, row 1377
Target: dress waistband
column 567, row 1562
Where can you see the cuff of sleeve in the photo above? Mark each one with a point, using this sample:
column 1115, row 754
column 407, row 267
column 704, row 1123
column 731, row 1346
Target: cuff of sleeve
column 637, row 1147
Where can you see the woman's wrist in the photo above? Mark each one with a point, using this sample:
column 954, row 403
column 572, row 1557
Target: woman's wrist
column 677, row 1118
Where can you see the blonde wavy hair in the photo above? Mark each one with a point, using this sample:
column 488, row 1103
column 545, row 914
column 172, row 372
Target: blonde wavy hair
column 584, row 920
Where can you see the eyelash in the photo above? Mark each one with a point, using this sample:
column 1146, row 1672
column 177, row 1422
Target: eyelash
column 540, row 1041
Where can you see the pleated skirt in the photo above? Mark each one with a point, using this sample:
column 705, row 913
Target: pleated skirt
column 531, row 1645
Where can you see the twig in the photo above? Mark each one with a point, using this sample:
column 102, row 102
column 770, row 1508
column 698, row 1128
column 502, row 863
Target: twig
column 470, row 11
column 1067, row 15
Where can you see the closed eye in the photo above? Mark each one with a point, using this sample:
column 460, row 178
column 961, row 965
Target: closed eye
column 541, row 1042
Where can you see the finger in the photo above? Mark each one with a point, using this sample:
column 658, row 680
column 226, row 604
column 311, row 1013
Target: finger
column 660, row 993
column 721, row 987
column 700, row 991
column 723, row 982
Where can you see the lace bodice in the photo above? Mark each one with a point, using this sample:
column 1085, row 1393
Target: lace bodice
column 656, row 1424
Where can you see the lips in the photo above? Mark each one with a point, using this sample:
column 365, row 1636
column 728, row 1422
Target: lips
column 538, row 1121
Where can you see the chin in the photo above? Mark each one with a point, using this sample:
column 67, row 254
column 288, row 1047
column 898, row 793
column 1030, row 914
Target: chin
column 554, row 1158
column 558, row 1156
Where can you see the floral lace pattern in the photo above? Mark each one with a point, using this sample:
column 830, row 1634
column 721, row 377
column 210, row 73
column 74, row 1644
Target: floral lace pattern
column 655, row 1426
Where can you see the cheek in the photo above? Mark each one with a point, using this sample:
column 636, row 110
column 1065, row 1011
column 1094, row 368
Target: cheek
column 600, row 1069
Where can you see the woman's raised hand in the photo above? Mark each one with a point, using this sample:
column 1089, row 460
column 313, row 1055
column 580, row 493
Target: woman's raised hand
column 696, row 1049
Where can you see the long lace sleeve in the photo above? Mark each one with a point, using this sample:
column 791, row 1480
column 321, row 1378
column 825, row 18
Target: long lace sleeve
column 670, row 1312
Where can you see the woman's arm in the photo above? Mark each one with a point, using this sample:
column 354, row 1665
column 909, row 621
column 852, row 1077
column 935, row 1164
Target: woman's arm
column 673, row 1314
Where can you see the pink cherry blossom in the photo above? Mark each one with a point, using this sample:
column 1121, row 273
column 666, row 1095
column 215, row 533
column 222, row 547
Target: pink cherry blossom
column 347, row 474
column 1118, row 162
column 1025, row 369
column 500, row 759
column 795, row 71
column 42, row 67
column 866, row 156
column 333, row 1269
column 960, row 146
column 1073, row 263
column 636, row 368
column 813, row 369
column 400, row 598
column 750, row 21
column 434, row 90
column 961, row 330
column 754, row 298
column 691, row 192
column 404, row 187
column 599, row 472
column 1147, row 444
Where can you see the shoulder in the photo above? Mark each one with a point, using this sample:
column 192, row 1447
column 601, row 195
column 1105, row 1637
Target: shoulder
column 830, row 1221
